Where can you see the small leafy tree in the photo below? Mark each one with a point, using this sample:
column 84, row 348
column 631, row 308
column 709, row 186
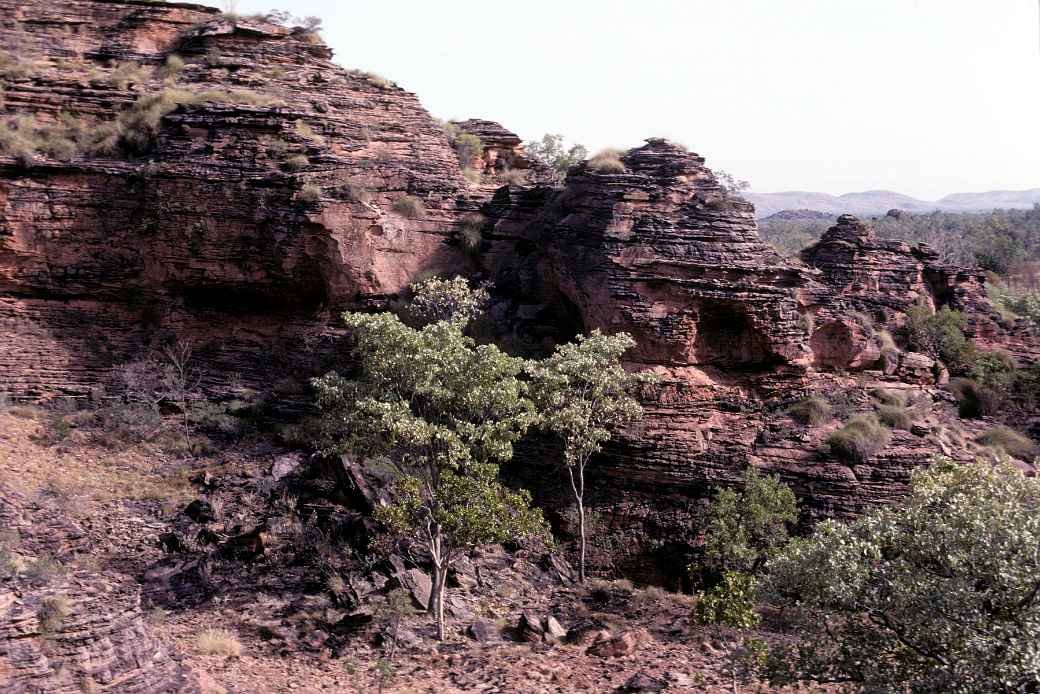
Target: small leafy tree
column 551, row 152
column 731, row 605
column 444, row 411
column 452, row 300
column 940, row 335
column 584, row 395
column 730, row 185
column 939, row 593
column 743, row 528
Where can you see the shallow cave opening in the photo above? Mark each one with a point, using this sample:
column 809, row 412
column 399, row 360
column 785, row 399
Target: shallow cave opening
column 726, row 336
column 832, row 345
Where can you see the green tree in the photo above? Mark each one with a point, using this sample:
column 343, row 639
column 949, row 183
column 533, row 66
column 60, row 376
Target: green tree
column 730, row 604
column 444, row 411
column 436, row 299
column 743, row 528
column 551, row 152
column 940, row 335
column 584, row 395
column 939, row 593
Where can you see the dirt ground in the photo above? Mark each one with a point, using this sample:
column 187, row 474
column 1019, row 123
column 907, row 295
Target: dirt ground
column 126, row 498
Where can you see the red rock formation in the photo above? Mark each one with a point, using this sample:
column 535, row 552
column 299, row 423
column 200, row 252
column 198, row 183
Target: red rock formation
column 274, row 195
column 241, row 210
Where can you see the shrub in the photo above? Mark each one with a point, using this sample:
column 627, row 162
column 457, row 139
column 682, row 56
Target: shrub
column 468, row 147
column 936, row 593
column 19, row 139
column 372, row 78
column 889, row 396
column 551, row 154
column 126, row 73
column 743, row 528
column 895, row 416
column 297, row 162
column 309, row 193
column 409, row 206
column 435, row 300
column 14, row 66
column 470, row 233
column 811, row 411
column 218, row 642
column 513, row 177
column 472, row 175
column 607, row 161
column 889, row 351
column 973, row 400
column 940, row 335
column 351, row 190
column 307, row 132
column 994, row 369
column 1009, row 441
column 170, row 69
column 859, row 439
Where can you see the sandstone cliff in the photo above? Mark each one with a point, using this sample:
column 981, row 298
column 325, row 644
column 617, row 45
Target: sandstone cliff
column 245, row 197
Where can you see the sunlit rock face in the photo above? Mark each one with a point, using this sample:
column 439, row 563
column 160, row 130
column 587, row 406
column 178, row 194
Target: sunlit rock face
column 280, row 189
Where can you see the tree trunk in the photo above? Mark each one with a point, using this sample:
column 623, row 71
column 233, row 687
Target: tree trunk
column 578, row 487
column 436, row 606
column 581, row 532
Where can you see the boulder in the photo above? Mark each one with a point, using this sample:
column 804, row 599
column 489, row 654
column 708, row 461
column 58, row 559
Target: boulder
column 418, row 584
column 285, row 465
column 483, row 632
column 623, row 644
column 530, row 628
column 642, row 683
column 553, row 629
column 200, row 511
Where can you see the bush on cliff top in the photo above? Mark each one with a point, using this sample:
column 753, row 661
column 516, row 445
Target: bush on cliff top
column 68, row 136
column 859, row 439
column 607, row 161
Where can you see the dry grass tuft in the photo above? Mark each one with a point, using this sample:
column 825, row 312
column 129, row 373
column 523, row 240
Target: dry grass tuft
column 607, row 161
column 218, row 642
column 811, row 411
column 859, row 439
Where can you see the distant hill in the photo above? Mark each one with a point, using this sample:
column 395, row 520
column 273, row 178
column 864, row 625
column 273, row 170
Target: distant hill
column 873, row 202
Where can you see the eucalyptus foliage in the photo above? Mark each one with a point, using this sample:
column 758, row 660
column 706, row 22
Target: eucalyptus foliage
column 584, row 396
column 743, row 528
column 436, row 299
column 444, row 411
column 939, row 593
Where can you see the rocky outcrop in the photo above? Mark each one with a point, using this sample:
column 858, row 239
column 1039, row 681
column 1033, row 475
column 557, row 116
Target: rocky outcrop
column 75, row 630
column 660, row 251
column 269, row 197
column 250, row 194
column 85, row 632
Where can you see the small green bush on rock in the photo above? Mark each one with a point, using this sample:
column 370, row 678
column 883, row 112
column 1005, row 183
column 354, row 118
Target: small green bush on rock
column 859, row 439
column 410, row 206
column 1009, row 441
column 812, row 411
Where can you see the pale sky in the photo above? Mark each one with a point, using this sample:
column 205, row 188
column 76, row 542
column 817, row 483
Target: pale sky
column 925, row 97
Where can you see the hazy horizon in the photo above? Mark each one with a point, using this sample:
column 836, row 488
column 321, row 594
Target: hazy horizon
column 921, row 97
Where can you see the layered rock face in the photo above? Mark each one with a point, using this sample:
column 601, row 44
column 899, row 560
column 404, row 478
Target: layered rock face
column 737, row 334
column 273, row 189
column 251, row 194
column 81, row 631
